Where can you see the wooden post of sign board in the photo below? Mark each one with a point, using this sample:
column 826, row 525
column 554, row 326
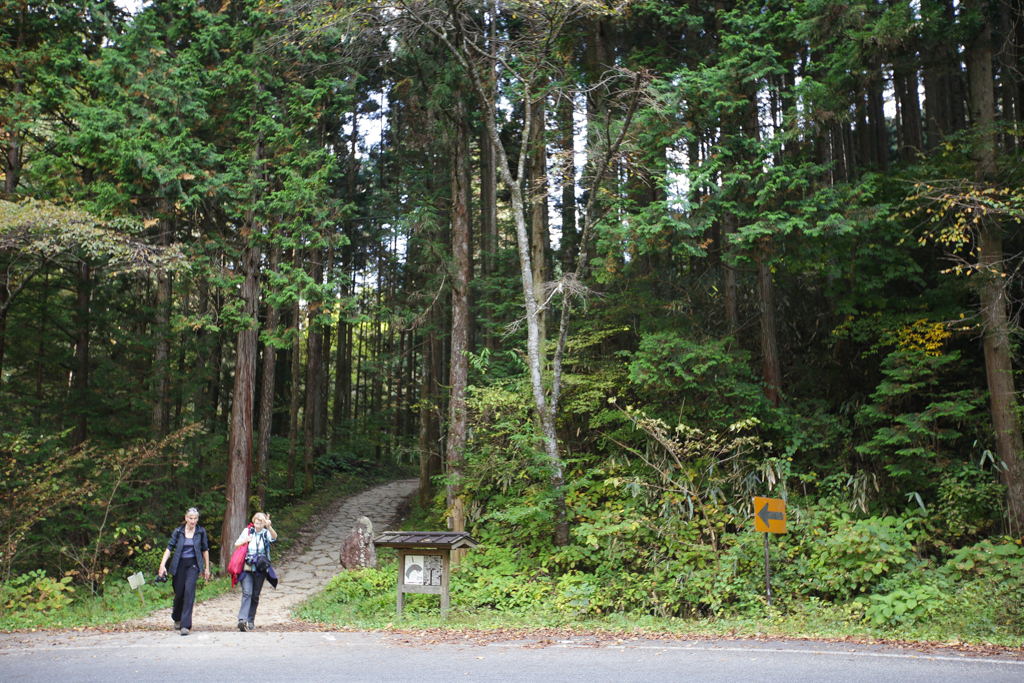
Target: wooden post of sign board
column 400, row 605
column 436, row 544
column 446, row 565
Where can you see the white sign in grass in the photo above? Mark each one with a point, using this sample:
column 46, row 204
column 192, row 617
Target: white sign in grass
column 136, row 581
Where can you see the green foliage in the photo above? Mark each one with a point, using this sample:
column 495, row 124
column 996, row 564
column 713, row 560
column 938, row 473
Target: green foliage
column 574, row 594
column 970, row 502
column 359, row 594
column 352, row 586
column 31, row 594
column 42, row 230
column 919, row 418
column 497, row 578
column 905, row 606
column 981, row 588
column 714, row 374
column 118, row 603
column 860, row 553
column 35, row 482
column 1000, row 565
column 148, row 561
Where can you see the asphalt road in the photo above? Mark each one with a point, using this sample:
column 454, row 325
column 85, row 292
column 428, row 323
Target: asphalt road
column 273, row 657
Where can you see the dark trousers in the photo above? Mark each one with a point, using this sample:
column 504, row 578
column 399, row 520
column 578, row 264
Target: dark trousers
column 185, row 591
column 252, row 584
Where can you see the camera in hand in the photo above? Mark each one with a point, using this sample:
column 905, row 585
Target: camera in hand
column 160, row 579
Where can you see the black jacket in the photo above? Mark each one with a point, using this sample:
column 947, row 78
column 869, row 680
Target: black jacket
column 177, row 543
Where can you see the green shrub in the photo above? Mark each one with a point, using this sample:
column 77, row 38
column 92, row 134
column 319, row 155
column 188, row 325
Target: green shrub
column 970, row 502
column 575, row 593
column 352, row 586
column 1001, row 565
column 33, row 594
column 148, row 562
column 859, row 554
column 498, row 578
column 919, row 415
column 905, row 606
column 714, row 374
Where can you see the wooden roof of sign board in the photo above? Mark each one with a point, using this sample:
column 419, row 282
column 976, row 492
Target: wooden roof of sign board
column 451, row 540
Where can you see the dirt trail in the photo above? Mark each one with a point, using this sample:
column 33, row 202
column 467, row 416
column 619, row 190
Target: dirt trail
column 299, row 576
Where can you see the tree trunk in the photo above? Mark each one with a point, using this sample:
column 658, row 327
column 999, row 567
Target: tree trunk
column 339, row 374
column 905, row 87
column 314, row 377
column 851, row 158
column 488, row 208
column 236, row 490
column 161, row 356
column 4, row 298
column 934, row 100
column 360, row 352
column 1009, row 75
column 488, row 227
column 1017, row 55
column 323, row 399
column 567, row 168
column 296, row 373
column 262, row 464
column 997, row 342
column 80, row 381
column 399, row 387
column 426, row 415
column 346, row 380
column 865, row 142
column 324, row 395
column 202, row 367
column 999, row 371
column 769, row 332
column 876, row 113
column 43, row 318
column 460, row 278
column 12, row 160
column 732, row 305
column 213, row 373
column 377, row 350
column 538, row 194
column 436, row 401
column 179, row 394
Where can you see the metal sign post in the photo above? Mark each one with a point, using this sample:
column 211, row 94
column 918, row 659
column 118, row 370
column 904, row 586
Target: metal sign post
column 767, row 572
column 769, row 517
column 136, row 581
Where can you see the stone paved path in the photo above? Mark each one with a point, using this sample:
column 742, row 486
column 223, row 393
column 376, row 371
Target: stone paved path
column 300, row 576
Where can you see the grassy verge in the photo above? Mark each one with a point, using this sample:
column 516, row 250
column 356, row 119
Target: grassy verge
column 117, row 603
column 365, row 600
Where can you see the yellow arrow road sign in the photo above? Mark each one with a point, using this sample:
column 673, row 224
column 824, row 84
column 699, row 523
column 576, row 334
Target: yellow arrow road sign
column 770, row 515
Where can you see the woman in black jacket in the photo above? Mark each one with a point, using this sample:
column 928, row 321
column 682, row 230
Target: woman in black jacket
column 191, row 549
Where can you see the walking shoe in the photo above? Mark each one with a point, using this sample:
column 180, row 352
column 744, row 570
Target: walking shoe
column 184, row 631
column 250, row 626
column 177, row 625
column 241, row 625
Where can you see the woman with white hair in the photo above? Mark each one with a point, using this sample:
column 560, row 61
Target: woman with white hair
column 191, row 557
column 258, row 535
